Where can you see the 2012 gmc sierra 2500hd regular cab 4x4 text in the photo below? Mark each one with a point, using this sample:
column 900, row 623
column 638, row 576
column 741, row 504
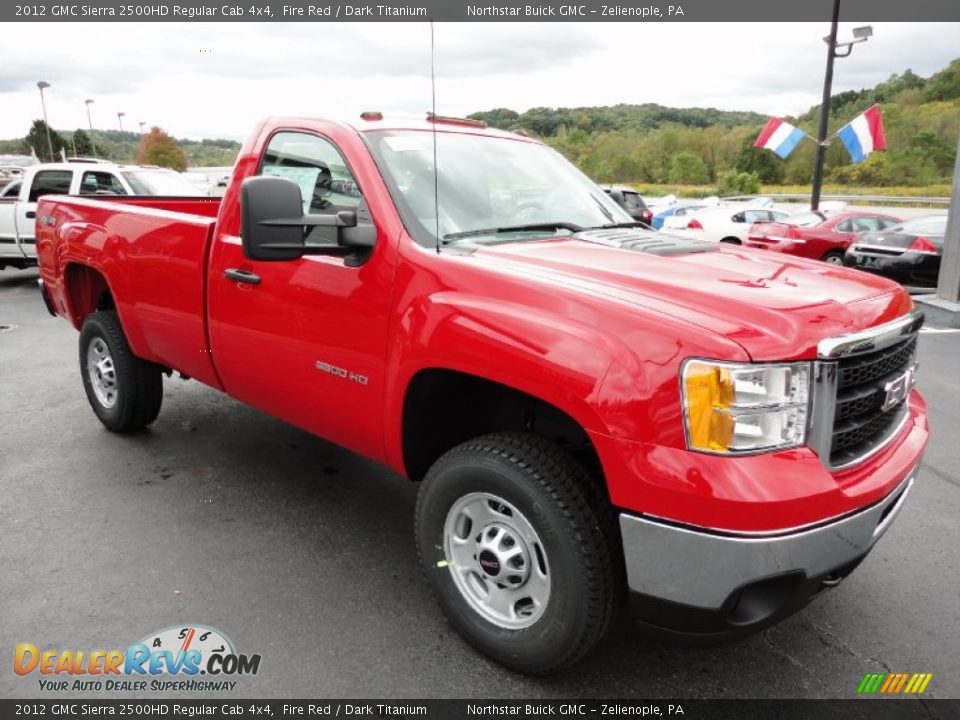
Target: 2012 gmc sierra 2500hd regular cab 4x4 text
column 597, row 412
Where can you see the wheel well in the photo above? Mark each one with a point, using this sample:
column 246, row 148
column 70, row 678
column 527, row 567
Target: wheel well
column 732, row 241
column 87, row 291
column 444, row 408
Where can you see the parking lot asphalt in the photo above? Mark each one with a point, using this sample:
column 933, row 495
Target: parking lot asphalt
column 303, row 552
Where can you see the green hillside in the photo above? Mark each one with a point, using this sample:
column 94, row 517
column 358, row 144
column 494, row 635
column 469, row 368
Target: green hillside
column 697, row 146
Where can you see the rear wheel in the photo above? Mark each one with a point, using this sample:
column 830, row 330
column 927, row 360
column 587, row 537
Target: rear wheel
column 834, row 257
column 124, row 391
column 519, row 550
column 731, row 241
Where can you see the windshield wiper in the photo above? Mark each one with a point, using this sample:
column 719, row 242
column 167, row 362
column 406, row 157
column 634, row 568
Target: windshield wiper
column 605, row 212
column 572, row 227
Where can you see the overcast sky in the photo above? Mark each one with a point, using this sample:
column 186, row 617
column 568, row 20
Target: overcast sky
column 215, row 80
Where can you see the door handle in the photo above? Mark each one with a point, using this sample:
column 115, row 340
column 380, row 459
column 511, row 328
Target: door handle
column 31, row 214
column 242, row 276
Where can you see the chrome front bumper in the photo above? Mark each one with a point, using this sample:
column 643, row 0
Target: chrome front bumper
column 705, row 570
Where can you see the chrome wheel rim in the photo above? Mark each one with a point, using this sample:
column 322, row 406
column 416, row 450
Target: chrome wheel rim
column 497, row 560
column 102, row 373
column 834, row 260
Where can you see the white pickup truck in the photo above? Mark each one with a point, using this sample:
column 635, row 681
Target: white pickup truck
column 82, row 177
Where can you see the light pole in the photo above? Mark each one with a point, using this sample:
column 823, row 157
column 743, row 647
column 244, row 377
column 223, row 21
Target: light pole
column 120, row 119
column 834, row 50
column 88, row 103
column 42, row 85
column 142, row 123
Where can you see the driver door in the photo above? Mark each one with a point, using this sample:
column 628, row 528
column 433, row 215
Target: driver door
column 306, row 340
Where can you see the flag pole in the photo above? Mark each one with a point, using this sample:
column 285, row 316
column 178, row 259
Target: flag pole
column 825, row 109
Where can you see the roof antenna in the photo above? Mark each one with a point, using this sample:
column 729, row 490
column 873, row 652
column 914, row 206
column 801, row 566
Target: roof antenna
column 433, row 119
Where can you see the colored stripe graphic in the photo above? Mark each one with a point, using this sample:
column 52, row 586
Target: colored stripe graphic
column 894, row 683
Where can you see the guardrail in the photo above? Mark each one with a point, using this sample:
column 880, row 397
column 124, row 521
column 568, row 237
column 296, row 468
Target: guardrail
column 881, row 199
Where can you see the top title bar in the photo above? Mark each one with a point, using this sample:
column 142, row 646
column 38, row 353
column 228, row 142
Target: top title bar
column 482, row 10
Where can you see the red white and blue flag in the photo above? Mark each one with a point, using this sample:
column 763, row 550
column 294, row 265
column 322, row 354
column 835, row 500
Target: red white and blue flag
column 864, row 134
column 779, row 136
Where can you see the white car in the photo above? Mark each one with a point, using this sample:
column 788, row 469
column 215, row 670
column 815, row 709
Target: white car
column 722, row 224
column 18, row 212
column 681, row 216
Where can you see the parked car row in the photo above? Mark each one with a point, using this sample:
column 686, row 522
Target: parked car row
column 906, row 251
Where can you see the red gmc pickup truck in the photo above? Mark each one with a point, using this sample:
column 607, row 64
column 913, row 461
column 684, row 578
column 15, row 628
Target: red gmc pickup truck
column 600, row 415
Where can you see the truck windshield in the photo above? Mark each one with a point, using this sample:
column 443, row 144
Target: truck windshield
column 489, row 189
column 159, row 182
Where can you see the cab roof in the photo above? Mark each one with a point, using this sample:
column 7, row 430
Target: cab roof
column 369, row 122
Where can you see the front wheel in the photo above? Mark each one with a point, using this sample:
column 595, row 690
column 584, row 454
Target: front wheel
column 520, row 550
column 124, row 391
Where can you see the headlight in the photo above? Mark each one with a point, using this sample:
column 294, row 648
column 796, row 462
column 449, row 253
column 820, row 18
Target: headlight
column 732, row 408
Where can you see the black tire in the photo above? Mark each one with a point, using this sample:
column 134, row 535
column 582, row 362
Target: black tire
column 138, row 383
column 575, row 524
column 731, row 241
column 834, row 257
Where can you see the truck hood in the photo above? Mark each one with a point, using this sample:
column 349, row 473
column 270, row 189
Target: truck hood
column 776, row 307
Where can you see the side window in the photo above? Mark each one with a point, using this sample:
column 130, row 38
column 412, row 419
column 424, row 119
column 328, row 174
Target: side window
column 845, row 226
column 739, row 217
column 887, row 222
column 326, row 183
column 50, row 182
column 100, row 183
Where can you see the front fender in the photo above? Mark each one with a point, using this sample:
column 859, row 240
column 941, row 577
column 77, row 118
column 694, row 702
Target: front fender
column 560, row 360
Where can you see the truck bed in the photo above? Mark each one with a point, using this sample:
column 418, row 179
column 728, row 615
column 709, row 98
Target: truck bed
column 207, row 207
column 150, row 255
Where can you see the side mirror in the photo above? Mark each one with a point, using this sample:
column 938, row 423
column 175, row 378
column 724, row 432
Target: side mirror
column 273, row 226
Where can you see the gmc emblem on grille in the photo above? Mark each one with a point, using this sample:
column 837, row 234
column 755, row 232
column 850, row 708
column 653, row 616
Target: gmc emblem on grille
column 899, row 388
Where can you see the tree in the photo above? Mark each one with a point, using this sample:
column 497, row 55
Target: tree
column 82, row 144
column 159, row 148
column 734, row 183
column 945, row 85
column 37, row 139
column 767, row 166
column 687, row 168
column 502, row 118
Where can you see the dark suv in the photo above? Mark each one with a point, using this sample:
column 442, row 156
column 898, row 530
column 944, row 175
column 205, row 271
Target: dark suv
column 631, row 201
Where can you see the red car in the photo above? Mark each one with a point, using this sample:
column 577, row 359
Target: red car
column 817, row 235
column 591, row 408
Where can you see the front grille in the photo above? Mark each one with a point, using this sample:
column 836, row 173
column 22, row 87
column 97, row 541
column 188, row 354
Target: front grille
column 860, row 370
column 860, row 423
